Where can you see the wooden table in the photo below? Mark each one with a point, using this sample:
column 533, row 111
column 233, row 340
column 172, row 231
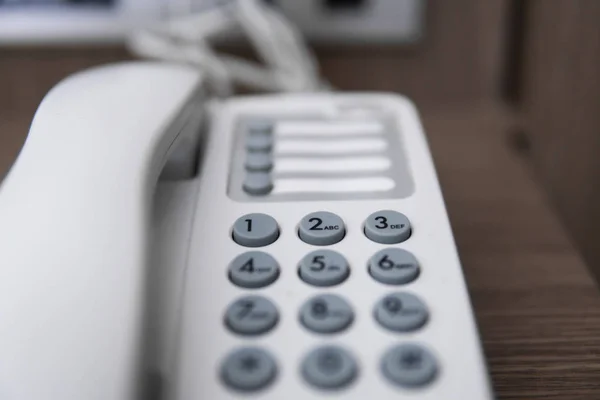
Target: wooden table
column 537, row 306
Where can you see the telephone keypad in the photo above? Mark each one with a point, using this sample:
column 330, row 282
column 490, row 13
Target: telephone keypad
column 326, row 313
column 255, row 230
column 321, row 228
column 253, row 269
column 324, row 268
column 329, row 367
column 248, row 369
column 251, row 315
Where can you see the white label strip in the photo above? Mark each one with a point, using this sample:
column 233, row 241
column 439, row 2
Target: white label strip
column 317, row 147
column 332, row 185
column 344, row 164
column 328, row 128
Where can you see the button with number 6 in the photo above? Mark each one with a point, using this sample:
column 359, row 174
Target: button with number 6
column 387, row 227
column 394, row 266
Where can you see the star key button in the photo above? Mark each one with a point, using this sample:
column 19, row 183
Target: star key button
column 248, row 369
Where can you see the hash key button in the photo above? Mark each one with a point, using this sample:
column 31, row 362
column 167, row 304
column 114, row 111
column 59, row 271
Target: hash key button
column 387, row 227
column 321, row 228
column 409, row 365
column 394, row 266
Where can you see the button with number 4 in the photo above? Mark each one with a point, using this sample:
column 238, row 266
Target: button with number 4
column 394, row 266
column 387, row 227
column 253, row 269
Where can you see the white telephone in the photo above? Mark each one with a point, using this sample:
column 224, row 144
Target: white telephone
column 306, row 254
column 157, row 245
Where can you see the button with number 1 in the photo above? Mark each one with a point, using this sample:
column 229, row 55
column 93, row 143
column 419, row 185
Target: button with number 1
column 255, row 230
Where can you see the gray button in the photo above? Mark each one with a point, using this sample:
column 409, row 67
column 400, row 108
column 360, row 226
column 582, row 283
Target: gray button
column 324, row 268
column 255, row 230
column 248, row 369
column 259, row 141
column 387, row 227
column 321, row 228
column 409, row 365
column 251, row 315
column 259, row 161
column 329, row 367
column 260, row 126
column 401, row 312
column 327, row 313
column 257, row 183
column 253, row 269
column 394, row 266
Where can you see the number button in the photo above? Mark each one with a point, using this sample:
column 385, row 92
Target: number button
column 409, row 365
column 394, row 266
column 255, row 230
column 387, row 227
column 324, row 268
column 251, row 315
column 248, row 369
column 321, row 228
column 326, row 314
column 401, row 312
column 329, row 367
column 253, row 269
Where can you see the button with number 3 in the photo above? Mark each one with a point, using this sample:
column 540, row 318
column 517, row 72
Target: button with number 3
column 387, row 227
column 394, row 266
column 255, row 230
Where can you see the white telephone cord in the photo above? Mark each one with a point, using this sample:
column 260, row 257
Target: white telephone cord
column 289, row 65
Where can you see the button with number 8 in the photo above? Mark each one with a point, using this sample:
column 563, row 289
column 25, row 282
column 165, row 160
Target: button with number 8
column 327, row 313
column 387, row 227
column 394, row 266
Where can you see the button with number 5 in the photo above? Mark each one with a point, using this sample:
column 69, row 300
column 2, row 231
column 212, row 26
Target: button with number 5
column 387, row 227
column 324, row 268
column 394, row 266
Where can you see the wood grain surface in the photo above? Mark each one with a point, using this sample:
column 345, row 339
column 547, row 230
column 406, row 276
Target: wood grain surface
column 537, row 305
column 561, row 107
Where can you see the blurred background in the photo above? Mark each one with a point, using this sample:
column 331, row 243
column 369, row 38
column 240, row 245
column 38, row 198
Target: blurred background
column 509, row 92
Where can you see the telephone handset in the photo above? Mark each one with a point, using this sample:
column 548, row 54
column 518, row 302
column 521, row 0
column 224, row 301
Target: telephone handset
column 281, row 246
